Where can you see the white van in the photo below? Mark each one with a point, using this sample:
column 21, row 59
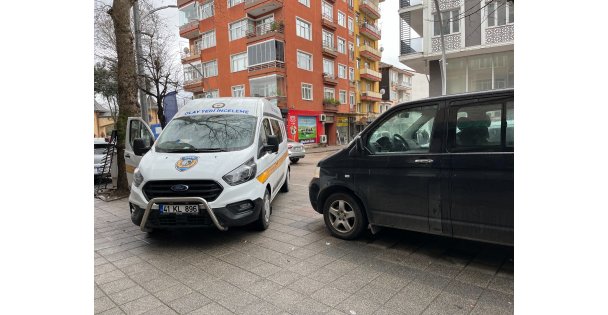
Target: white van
column 220, row 162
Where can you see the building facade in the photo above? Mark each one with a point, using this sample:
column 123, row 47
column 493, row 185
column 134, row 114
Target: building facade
column 479, row 43
column 299, row 54
column 396, row 84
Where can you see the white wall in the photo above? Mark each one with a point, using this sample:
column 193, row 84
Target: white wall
column 420, row 87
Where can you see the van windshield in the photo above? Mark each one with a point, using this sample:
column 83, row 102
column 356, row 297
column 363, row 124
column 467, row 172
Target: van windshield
column 207, row 133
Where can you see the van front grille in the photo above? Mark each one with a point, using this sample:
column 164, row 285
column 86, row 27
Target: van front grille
column 206, row 189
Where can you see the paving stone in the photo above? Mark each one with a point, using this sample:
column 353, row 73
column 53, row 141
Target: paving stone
column 141, row 305
column 285, row 277
column 160, row 283
column 128, row 295
column 217, row 289
column 102, row 304
column 265, row 269
column 109, row 277
column 169, row 294
column 358, row 305
column 211, row 309
column 112, row 311
column 502, row 284
column 475, row 277
column 284, row 297
column 161, row 310
column 238, row 302
column 376, row 293
column 189, row 302
column 447, row 303
column 263, row 287
column 330, row 296
column 261, row 308
column 305, row 285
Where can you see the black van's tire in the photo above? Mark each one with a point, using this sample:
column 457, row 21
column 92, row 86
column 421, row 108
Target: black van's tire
column 294, row 160
column 342, row 211
column 264, row 219
column 285, row 187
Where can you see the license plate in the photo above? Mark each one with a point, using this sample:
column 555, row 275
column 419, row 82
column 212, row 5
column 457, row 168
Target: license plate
column 297, row 149
column 178, row 209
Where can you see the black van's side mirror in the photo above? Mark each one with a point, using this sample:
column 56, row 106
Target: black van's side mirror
column 272, row 144
column 139, row 147
column 357, row 148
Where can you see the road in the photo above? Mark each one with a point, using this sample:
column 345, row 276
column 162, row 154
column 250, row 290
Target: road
column 294, row 267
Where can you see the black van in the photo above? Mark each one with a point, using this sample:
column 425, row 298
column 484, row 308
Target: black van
column 441, row 165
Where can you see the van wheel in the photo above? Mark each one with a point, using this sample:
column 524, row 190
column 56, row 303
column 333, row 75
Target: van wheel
column 285, row 187
column 343, row 216
column 294, row 160
column 264, row 219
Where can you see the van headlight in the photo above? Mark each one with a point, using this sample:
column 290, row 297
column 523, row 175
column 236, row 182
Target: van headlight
column 317, row 172
column 241, row 174
column 137, row 177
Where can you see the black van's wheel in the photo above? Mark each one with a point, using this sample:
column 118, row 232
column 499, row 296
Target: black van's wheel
column 294, row 160
column 285, row 187
column 343, row 216
column 264, row 219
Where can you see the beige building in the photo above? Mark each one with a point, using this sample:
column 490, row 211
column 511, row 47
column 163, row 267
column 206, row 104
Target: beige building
column 103, row 123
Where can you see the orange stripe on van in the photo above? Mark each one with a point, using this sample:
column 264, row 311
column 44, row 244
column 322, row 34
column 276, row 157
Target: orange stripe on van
column 265, row 174
column 130, row 168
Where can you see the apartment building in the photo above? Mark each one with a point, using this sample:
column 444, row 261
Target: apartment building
column 396, row 84
column 299, row 54
column 479, row 43
column 367, row 56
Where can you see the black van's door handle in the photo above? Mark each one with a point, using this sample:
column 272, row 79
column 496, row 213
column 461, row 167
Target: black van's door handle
column 423, row 161
column 128, row 156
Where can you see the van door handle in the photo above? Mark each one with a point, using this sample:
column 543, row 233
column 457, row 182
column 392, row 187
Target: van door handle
column 128, row 156
column 424, row 161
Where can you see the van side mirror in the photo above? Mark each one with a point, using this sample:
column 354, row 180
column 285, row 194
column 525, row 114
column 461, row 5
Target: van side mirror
column 272, row 144
column 357, row 148
column 139, row 147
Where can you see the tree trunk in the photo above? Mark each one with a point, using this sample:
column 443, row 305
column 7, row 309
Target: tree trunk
column 161, row 112
column 127, row 81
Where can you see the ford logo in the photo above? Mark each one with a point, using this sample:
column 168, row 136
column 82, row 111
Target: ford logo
column 179, row 188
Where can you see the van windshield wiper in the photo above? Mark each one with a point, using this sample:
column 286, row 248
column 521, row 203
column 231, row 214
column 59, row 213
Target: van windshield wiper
column 211, row 150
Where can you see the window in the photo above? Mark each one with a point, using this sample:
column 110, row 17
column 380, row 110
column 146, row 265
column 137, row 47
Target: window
column 305, row 2
column 327, row 10
column 328, row 67
column 269, row 86
column 210, row 68
column 238, row 91
column 188, row 14
column 265, row 52
column 351, row 98
column 276, row 129
column 341, row 71
column 451, row 22
column 341, row 19
column 192, row 72
column 307, row 91
column 265, row 131
column 329, row 93
column 351, row 51
column 341, row 45
column 478, row 128
column 406, row 131
column 351, row 73
column 358, row 40
column 481, row 72
column 238, row 62
column 351, row 26
column 304, row 60
column 303, row 29
column 238, row 29
column 212, row 94
column 510, row 125
column 328, row 39
column 232, row 3
column 500, row 12
column 208, row 40
column 343, row 97
column 206, row 10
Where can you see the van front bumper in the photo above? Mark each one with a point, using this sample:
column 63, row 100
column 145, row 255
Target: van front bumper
column 221, row 218
column 313, row 194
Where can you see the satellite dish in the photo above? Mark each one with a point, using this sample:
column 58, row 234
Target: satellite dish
column 186, row 50
column 382, row 91
column 381, row 49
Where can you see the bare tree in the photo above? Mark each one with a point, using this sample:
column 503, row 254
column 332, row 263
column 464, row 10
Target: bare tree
column 127, row 78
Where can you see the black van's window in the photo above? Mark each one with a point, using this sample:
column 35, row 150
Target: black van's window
column 407, row 131
column 510, row 126
column 276, row 129
column 478, row 128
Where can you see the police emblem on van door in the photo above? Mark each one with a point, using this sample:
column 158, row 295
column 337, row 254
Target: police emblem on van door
column 185, row 163
column 218, row 105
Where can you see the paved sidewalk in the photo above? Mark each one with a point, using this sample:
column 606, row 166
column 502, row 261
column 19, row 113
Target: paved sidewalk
column 294, row 267
column 325, row 149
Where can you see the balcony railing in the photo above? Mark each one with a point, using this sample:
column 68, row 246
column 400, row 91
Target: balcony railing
column 190, row 29
column 329, row 79
column 191, row 55
column 259, row 7
column 329, row 49
column 370, row 30
column 328, row 21
column 265, row 30
column 411, row 46
column 273, row 66
column 370, row 52
column 370, row 8
column 371, row 96
column 409, row 3
column 370, row 74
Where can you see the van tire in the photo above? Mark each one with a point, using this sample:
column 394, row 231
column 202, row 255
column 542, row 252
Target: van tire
column 294, row 160
column 264, row 220
column 285, row 187
column 343, row 207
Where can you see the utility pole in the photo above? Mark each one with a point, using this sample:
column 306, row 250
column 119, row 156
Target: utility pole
column 443, row 58
column 140, row 67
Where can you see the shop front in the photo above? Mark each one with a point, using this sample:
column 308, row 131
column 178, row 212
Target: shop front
column 304, row 126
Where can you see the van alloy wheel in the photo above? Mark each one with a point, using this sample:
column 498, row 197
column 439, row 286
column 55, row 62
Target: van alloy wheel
column 341, row 216
column 266, row 208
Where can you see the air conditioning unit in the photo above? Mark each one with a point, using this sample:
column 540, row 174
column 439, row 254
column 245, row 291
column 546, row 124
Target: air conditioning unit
column 322, row 117
column 323, row 139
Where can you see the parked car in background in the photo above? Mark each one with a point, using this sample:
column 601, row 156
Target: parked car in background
column 100, row 145
column 296, row 151
column 440, row 165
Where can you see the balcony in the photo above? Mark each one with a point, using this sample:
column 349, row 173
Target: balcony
column 275, row 30
column 371, row 96
column 189, row 30
column 329, row 79
column 181, row 3
column 370, row 8
column 329, row 50
column 402, row 85
column 328, row 21
column 330, row 105
column 411, row 46
column 256, row 8
column 409, row 3
column 370, row 75
column 194, row 85
column 276, row 66
column 370, row 30
column 192, row 55
column 370, row 53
